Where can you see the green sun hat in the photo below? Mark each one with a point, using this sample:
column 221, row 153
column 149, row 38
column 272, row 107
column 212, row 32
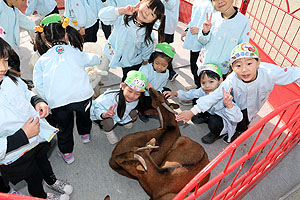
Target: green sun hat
column 244, row 50
column 136, row 80
column 210, row 67
column 53, row 18
column 165, row 48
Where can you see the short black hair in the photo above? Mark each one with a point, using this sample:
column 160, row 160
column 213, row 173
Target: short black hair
column 210, row 74
column 155, row 54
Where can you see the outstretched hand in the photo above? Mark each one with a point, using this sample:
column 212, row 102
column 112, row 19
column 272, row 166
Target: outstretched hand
column 43, row 109
column 227, row 98
column 207, row 24
column 111, row 111
column 170, row 94
column 185, row 116
column 129, row 10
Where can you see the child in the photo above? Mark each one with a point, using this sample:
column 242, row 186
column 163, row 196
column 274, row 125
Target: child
column 199, row 9
column 251, row 82
column 43, row 7
column 25, row 134
column 220, row 33
column 60, row 79
column 172, row 14
column 114, row 107
column 82, row 19
column 130, row 43
column 156, row 73
column 224, row 115
column 11, row 19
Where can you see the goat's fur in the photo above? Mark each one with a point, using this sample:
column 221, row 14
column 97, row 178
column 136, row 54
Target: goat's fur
column 181, row 163
column 165, row 136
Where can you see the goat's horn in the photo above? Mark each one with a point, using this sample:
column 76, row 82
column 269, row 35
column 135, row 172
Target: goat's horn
column 160, row 117
column 168, row 108
column 141, row 159
column 147, row 147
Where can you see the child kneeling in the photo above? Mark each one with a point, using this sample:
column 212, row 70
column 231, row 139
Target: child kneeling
column 223, row 117
column 119, row 106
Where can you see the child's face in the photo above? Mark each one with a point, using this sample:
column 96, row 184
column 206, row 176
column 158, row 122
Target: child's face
column 16, row 3
column 145, row 14
column 222, row 5
column 246, row 68
column 129, row 93
column 160, row 64
column 3, row 67
column 209, row 84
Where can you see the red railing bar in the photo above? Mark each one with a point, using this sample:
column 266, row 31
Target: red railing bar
column 220, row 157
column 252, row 146
column 295, row 11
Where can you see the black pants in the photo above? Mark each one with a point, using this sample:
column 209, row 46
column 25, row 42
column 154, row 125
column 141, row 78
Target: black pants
column 193, row 60
column 127, row 69
column 64, row 118
column 215, row 123
column 106, row 30
column 4, row 187
column 91, row 33
column 33, row 167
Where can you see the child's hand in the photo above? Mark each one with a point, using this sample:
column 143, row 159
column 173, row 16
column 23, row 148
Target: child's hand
column 194, row 30
column 43, row 109
column 145, row 62
column 227, row 98
column 169, row 94
column 185, row 116
column 183, row 35
column 31, row 127
column 129, row 10
column 149, row 85
column 110, row 112
column 82, row 31
column 207, row 24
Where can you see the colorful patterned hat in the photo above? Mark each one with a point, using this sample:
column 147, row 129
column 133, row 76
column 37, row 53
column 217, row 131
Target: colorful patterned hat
column 165, row 48
column 136, row 80
column 210, row 67
column 2, row 33
column 244, row 50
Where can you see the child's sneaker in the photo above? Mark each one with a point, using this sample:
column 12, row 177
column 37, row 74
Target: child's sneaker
column 172, row 75
column 61, row 187
column 111, row 137
column 197, row 119
column 67, row 157
column 209, row 138
column 13, row 191
column 144, row 118
column 85, row 138
column 128, row 125
column 51, row 196
column 235, row 135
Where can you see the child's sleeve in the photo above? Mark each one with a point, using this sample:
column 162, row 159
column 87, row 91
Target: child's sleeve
column 191, row 94
column 38, row 79
column 204, row 39
column 89, row 59
column 31, row 5
column 234, row 114
column 170, row 4
column 284, row 75
column 101, row 105
column 109, row 15
column 25, row 22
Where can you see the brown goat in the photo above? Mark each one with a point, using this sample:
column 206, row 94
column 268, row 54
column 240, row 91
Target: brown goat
column 165, row 136
column 182, row 162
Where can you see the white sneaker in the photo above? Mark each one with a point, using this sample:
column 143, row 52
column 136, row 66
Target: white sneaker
column 51, row 196
column 128, row 125
column 61, row 187
column 191, row 87
column 111, row 137
column 13, row 191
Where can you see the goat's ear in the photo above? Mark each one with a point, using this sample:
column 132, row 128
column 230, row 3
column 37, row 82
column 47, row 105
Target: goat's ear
column 140, row 169
column 174, row 106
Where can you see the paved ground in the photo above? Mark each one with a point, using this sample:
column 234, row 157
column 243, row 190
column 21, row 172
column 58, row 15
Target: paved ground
column 91, row 175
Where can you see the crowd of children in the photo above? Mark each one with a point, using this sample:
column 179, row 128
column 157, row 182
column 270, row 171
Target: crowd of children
column 231, row 83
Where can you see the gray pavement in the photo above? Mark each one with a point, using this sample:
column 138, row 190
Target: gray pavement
column 91, row 175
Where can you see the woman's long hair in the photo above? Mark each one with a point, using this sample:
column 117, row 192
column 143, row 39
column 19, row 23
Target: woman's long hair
column 159, row 10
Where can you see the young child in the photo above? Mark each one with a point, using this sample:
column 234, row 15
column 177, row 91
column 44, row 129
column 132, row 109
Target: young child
column 130, row 43
column 220, row 33
column 157, row 73
column 251, row 82
column 119, row 106
column 25, row 134
column 43, row 7
column 11, row 19
column 82, row 19
column 172, row 14
column 190, row 35
column 224, row 115
column 60, row 79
